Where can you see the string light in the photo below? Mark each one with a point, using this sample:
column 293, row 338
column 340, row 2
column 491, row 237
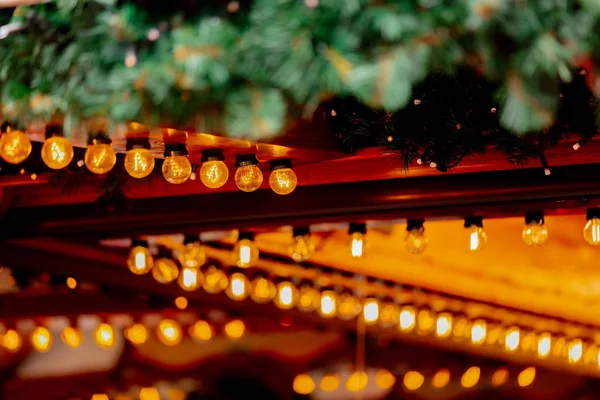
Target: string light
column 15, row 146
column 245, row 253
column 357, row 381
column 176, row 168
column 190, row 279
column 470, row 377
column 235, row 329
column 478, row 332
column 100, row 157
column 526, row 377
column 348, row 306
column 303, row 384
column 57, row 152
column 441, row 378
column 71, row 283
column 328, row 306
column 500, row 377
column 100, row 396
column 425, row 321
column 544, row 345
column 215, row 280
column 443, row 326
column 181, row 302
column 413, row 380
column 11, row 341
column 149, row 393
column 302, row 247
column 213, row 173
column 512, row 338
column 310, row 298
column 137, row 334
column 477, row 237
column 329, row 383
column 72, row 337
column 169, row 332
column 535, row 232
column 140, row 259
column 139, row 161
column 41, row 339
column 357, row 234
column 575, row 351
column 165, row 270
column 201, row 330
column 407, row 318
column 238, row 287
column 283, row 179
column 248, row 177
column 104, row 336
column 192, row 255
column 371, row 311
column 287, row 295
column 384, row 379
column 415, row 241
column 389, row 315
column 591, row 231
column 263, row 290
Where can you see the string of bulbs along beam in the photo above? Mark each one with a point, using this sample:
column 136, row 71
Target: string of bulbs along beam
column 100, row 158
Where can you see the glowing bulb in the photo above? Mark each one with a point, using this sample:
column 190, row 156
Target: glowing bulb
column 201, row 330
column 248, row 178
column 328, row 304
column 72, row 337
column 15, row 147
column 526, row 377
column 192, row 256
column 245, row 253
column 512, row 338
column 407, row 319
column 348, row 306
column 41, row 339
column 389, row 315
column 181, row 302
column 189, row 278
column 302, row 247
column 283, row 180
column 477, row 238
column 176, row 169
column 500, row 377
column 384, row 379
column 137, row 334
column 441, row 378
column 371, row 311
column 57, row 152
column 215, row 280
column 100, row 157
column 165, row 270
column 443, row 326
column 139, row 162
column 100, row 396
column 544, row 345
column 235, row 329
column 238, row 287
column 12, row 341
column 287, row 295
column 470, row 377
column 413, row 380
column 140, row 260
column 357, row 244
column 535, row 231
column 310, row 298
column 329, row 383
column 263, row 290
column 575, row 351
column 478, row 332
column 214, row 174
column 591, row 231
column 425, row 321
column 169, row 332
column 303, row 384
column 71, row 283
column 415, row 241
column 104, row 336
column 357, row 381
column 149, row 393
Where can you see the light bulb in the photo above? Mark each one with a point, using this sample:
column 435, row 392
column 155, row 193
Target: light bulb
column 441, row 378
column 213, row 173
column 235, row 329
column 384, row 379
column 104, row 336
column 303, row 384
column 389, row 314
column 165, row 270
column 100, row 157
column 425, row 321
column 239, row 287
column 357, row 234
column 139, row 162
column 407, row 318
column 591, row 231
column 193, row 255
column 283, row 179
column 535, row 232
column 41, row 339
column 575, row 351
column 72, row 337
column 215, row 280
column 348, row 306
column 11, row 341
column 137, row 334
column 190, row 279
column 357, row 382
column 201, row 330
column 169, row 332
column 477, row 237
column 302, row 247
column 287, row 295
column 176, row 169
column 245, row 253
column 140, row 260
column 248, row 177
column 263, row 290
column 329, row 383
column 310, row 298
column 544, row 345
column 470, row 377
column 526, row 377
column 57, row 152
column 15, row 147
column 512, row 339
column 415, row 241
column 413, row 380
column 478, row 332
column 443, row 326
column 328, row 306
column 371, row 311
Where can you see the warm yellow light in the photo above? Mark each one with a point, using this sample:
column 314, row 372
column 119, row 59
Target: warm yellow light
column 169, row 332
column 287, row 295
column 137, row 334
column 425, row 321
column 302, row 248
column 181, row 303
column 348, row 306
column 310, row 298
column 328, row 306
column 100, row 158
column 470, row 377
column 15, row 147
column 263, row 290
column 283, row 181
column 460, row 328
column 415, row 241
column 245, row 253
column 190, row 278
column 235, row 329
column 239, row 287
column 500, row 377
column 71, row 283
column 371, row 311
column 384, row 379
column 357, row 381
column 478, row 332
column 303, row 384
column 329, row 383
column 575, row 351
column 149, row 393
column 11, row 341
column 214, row 174
column 100, row 396
column 140, row 260
column 72, row 337
column 591, row 231
column 389, row 315
column 413, row 380
column 407, row 319
column 357, row 244
column 104, row 336
column 512, row 339
column 192, row 256
column 165, row 270
column 544, row 345
column 248, row 178
column 215, row 280
column 477, row 238
column 201, row 330
column 526, row 377
column 176, row 169
column 57, row 152
column 535, row 233
column 443, row 325
column 139, row 163
column 41, row 339
column 441, row 378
